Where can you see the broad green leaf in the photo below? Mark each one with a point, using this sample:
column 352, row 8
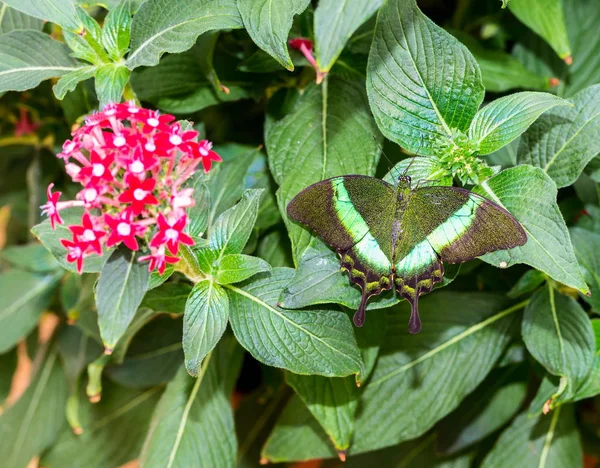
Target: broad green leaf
column 23, row 298
column 121, row 287
column 332, row 401
column 274, row 249
column 529, row 282
column 548, row 441
column 29, row 57
column 156, row 279
column 268, row 23
column 110, row 82
column 194, row 411
column 421, row 378
column 530, row 195
column 76, row 350
column 503, row 120
column 304, row 342
column 61, row 12
column 587, row 251
column 32, row 424
column 545, row 18
column 198, row 214
column 116, row 30
column 161, row 26
column 591, row 386
column 232, row 229
column 70, row 81
column 8, row 366
column 331, row 36
column 423, row 170
column 33, row 257
column 141, row 318
column 169, row 298
column 421, row 81
column 564, row 140
column 235, row 268
column 204, row 322
column 559, row 335
column 11, row 19
column 113, row 430
column 51, row 240
column 153, row 356
column 330, row 132
column 490, row 407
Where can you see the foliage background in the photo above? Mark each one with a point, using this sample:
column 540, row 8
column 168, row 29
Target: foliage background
column 506, row 370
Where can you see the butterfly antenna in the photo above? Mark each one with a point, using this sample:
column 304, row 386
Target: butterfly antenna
column 392, row 165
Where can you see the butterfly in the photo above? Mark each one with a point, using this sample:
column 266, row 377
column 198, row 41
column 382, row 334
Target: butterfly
column 395, row 236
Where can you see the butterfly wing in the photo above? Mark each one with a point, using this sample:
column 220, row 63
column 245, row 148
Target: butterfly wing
column 355, row 215
column 449, row 224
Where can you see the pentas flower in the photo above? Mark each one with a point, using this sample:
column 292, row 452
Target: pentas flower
column 133, row 164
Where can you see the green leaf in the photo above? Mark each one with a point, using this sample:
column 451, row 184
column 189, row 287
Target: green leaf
column 23, row 298
column 331, row 36
column 304, row 342
column 558, row 334
column 8, row 366
column 591, row 386
column 564, row 140
column 587, row 251
column 70, row 81
column 235, row 268
column 232, row 229
column 113, row 430
column 548, row 441
column 169, row 298
column 51, row 240
column 274, row 250
column 121, row 288
column 463, row 336
column 198, row 214
column 330, row 132
column 116, row 30
column 421, row 81
column 11, row 19
column 61, row 12
column 503, row 120
column 32, row 424
column 268, row 23
column 529, row 282
column 29, row 57
column 165, row 26
column 332, row 401
column 545, row 18
column 110, row 82
column 156, row 279
column 530, row 195
column 204, row 322
column 424, row 171
column 192, row 411
column 486, row 410
column 33, row 257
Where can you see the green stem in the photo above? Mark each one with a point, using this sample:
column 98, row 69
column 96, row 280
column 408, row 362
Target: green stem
column 189, row 266
column 129, row 94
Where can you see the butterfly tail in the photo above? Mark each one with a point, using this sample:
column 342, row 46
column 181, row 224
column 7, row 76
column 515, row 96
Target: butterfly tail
column 414, row 323
column 359, row 316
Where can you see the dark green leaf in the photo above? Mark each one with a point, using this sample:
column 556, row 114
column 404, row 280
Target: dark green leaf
column 274, row 250
column 169, row 298
column 587, row 251
column 8, row 365
column 591, row 386
column 529, row 282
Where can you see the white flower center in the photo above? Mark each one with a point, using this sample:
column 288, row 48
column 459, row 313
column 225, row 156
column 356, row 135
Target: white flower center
column 153, row 122
column 137, row 167
column 171, row 234
column 119, row 141
column 133, row 110
column 90, row 195
column 150, row 146
column 203, row 151
column 124, row 229
column 69, row 147
column 139, row 194
column 88, row 235
column 98, row 170
column 110, row 112
column 175, row 140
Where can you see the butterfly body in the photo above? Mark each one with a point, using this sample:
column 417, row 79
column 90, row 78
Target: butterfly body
column 398, row 237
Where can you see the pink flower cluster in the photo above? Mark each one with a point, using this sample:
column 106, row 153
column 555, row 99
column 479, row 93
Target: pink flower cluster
column 132, row 163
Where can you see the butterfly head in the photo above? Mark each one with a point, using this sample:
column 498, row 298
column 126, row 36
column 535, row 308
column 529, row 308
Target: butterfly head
column 404, row 181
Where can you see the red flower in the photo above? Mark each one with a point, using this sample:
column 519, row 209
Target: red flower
column 87, row 234
column 298, row 42
column 140, row 161
column 156, row 121
column 76, row 251
column 99, row 170
column 158, row 260
column 139, row 193
column 51, row 207
column 175, row 138
column 204, row 150
column 171, row 234
column 67, row 149
column 123, row 230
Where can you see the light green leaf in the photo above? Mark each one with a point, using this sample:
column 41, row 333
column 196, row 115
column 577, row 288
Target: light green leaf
column 421, row 81
column 235, row 268
column 61, row 12
column 503, row 120
column 331, row 36
column 558, row 334
column 330, row 132
column 110, row 83
column 587, row 251
column 564, row 140
column 268, row 23
column 11, row 19
column 70, row 81
column 162, row 26
column 530, row 195
column 23, row 298
column 304, row 342
column 121, row 287
column 33, row 257
column 116, row 30
column 32, row 424
column 194, row 411
column 204, row 322
column 547, row 441
column 423, row 170
column 29, row 57
column 332, row 401
column 546, row 18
